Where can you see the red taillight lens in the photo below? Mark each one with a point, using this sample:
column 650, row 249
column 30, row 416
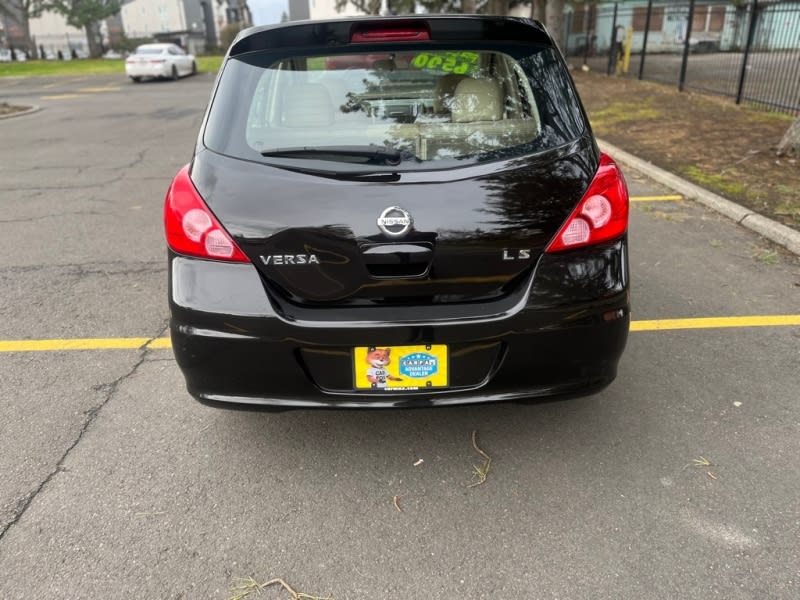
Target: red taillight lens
column 190, row 226
column 602, row 213
column 389, row 32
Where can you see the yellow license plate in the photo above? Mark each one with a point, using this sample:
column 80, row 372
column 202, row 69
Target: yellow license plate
column 400, row 368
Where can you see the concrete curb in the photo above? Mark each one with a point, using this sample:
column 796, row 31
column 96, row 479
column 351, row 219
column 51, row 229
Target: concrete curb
column 22, row 113
column 772, row 230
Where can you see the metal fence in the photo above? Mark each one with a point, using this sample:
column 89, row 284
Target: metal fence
column 749, row 52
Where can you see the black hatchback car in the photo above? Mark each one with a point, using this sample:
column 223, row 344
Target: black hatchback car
column 396, row 212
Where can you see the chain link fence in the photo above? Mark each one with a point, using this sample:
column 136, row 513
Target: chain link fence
column 748, row 51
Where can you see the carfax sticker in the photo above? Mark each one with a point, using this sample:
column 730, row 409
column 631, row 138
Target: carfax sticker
column 400, row 368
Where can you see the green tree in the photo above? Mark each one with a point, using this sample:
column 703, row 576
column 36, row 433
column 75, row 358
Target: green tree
column 228, row 33
column 373, row 7
column 87, row 15
column 442, row 6
column 21, row 12
column 368, row 7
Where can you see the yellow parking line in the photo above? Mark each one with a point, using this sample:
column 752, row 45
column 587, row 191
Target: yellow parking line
column 164, row 342
column 716, row 323
column 72, row 344
column 60, row 97
column 160, row 343
column 670, row 198
column 98, row 90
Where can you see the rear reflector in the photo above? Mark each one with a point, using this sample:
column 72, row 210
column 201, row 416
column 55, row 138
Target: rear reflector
column 602, row 213
column 190, row 226
column 389, row 32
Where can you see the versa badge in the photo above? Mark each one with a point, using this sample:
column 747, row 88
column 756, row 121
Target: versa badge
column 289, row 259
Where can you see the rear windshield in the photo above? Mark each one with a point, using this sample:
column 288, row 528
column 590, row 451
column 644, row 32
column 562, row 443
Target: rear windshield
column 407, row 110
column 151, row 50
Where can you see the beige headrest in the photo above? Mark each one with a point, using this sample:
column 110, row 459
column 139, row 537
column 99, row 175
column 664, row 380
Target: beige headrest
column 445, row 88
column 477, row 100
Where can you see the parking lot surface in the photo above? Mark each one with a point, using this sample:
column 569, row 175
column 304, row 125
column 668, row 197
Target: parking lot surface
column 678, row 481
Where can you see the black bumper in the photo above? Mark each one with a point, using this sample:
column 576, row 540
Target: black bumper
column 564, row 338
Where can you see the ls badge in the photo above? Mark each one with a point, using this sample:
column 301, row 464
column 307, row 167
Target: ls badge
column 521, row 254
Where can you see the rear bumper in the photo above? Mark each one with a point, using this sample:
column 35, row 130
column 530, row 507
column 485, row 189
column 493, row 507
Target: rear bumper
column 149, row 70
column 235, row 350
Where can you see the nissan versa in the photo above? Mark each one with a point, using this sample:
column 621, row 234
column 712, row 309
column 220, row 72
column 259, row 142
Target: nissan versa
column 396, row 212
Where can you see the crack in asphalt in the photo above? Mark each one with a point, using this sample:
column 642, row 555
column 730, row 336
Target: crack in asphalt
column 91, row 416
column 137, row 160
column 63, row 187
column 98, row 268
column 53, row 216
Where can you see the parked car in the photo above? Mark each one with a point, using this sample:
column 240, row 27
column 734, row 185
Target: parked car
column 159, row 61
column 112, row 55
column 5, row 55
column 447, row 233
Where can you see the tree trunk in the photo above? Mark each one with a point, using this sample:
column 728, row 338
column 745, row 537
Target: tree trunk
column 93, row 39
column 498, row 7
column 537, row 10
column 30, row 48
column 790, row 143
column 554, row 20
column 468, row 7
column 22, row 19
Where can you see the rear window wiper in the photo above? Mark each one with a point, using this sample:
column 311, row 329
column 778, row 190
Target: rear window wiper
column 372, row 153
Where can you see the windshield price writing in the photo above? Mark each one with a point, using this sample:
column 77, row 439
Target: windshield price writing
column 460, row 63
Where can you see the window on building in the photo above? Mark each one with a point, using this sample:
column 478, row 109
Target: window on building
column 640, row 18
column 717, row 21
column 699, row 19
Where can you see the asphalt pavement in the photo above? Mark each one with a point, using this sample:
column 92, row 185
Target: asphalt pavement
column 679, row 481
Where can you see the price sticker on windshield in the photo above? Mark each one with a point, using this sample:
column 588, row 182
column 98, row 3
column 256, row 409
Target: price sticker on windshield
column 460, row 63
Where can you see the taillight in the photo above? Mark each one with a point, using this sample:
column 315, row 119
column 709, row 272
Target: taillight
column 602, row 213
column 389, row 32
column 190, row 226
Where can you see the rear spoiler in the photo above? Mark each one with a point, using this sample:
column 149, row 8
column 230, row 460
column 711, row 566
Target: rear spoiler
column 341, row 32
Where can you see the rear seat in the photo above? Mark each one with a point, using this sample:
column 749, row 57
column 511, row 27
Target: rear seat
column 443, row 94
column 477, row 122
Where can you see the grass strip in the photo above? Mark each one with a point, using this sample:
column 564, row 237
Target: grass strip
column 97, row 66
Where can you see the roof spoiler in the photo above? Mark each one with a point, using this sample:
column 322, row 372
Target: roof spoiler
column 329, row 34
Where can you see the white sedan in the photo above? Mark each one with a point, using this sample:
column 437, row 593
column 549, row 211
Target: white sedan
column 159, row 61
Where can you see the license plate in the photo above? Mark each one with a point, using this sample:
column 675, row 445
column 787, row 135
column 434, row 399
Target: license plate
column 400, row 368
